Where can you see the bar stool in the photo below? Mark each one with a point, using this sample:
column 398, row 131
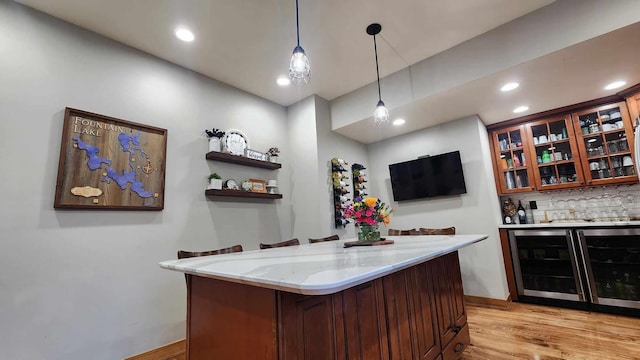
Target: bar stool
column 395, row 232
column 291, row 242
column 188, row 254
column 328, row 238
column 442, row 231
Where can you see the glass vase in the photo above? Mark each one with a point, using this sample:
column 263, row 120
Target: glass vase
column 368, row 233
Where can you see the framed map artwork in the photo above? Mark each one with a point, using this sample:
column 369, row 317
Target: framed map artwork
column 110, row 164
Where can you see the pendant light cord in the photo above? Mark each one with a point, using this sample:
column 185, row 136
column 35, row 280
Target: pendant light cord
column 375, row 49
column 297, row 24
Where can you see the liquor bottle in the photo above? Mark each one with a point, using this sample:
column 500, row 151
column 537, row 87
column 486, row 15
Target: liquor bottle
column 522, row 215
column 508, row 211
column 529, row 214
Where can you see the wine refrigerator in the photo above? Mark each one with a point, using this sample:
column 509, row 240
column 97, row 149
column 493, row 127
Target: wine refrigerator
column 591, row 266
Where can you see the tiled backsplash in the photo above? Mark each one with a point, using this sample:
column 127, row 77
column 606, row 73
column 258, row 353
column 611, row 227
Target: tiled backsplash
column 610, row 203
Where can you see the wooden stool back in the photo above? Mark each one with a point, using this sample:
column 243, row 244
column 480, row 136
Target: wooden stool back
column 442, row 231
column 188, row 254
column 291, row 242
column 328, row 238
column 395, row 232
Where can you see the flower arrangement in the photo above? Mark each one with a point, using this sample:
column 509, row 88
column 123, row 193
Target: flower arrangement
column 217, row 133
column 368, row 211
column 274, row 151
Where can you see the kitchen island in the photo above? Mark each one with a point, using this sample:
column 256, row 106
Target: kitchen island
column 324, row 301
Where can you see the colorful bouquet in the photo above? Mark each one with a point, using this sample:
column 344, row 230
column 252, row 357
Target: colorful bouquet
column 368, row 211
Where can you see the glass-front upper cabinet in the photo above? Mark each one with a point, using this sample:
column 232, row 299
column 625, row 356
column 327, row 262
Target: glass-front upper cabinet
column 605, row 141
column 513, row 166
column 556, row 161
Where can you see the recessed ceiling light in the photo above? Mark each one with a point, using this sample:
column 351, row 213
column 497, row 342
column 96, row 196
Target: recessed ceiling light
column 591, row 140
column 184, row 34
column 615, row 85
column 398, row 122
column 283, row 81
column 509, row 86
column 520, row 109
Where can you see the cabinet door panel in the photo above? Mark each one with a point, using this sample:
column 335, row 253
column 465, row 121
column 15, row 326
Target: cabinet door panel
column 633, row 103
column 426, row 338
column 555, row 153
column 365, row 325
column 397, row 302
column 309, row 328
column 605, row 141
column 512, row 161
column 450, row 297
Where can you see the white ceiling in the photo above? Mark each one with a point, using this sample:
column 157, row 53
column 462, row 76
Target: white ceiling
column 247, row 44
column 569, row 76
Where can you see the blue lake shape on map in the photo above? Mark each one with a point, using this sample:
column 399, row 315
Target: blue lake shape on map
column 94, row 161
column 130, row 144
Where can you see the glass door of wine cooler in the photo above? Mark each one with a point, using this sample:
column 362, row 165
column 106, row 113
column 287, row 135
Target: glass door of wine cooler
column 545, row 264
column 612, row 262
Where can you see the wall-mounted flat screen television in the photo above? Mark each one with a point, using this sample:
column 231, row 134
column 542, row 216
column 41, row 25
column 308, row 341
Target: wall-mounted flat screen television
column 438, row 175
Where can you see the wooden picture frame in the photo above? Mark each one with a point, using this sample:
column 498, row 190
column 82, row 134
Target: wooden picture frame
column 110, row 164
column 258, row 186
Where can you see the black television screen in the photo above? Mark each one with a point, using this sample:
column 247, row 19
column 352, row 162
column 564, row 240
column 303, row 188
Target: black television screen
column 439, row 175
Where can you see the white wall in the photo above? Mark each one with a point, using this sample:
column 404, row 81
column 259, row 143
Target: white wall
column 332, row 145
column 86, row 284
column 475, row 212
column 303, row 173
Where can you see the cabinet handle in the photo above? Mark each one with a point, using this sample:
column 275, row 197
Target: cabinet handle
column 456, row 329
column 459, row 347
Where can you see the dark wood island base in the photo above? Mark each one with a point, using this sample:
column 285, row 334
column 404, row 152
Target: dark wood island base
column 415, row 313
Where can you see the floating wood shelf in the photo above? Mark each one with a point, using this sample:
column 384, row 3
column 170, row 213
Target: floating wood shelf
column 241, row 160
column 240, row 193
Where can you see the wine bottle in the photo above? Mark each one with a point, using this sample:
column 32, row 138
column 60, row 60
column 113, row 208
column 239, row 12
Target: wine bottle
column 522, row 215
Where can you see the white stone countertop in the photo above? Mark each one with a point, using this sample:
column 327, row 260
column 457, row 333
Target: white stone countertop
column 565, row 224
column 321, row 268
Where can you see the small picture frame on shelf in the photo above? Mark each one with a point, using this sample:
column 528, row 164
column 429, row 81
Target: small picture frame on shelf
column 257, row 155
column 258, row 186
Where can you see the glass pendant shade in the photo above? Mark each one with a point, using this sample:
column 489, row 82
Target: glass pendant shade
column 381, row 115
column 299, row 69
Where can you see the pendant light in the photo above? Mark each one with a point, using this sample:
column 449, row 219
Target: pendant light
column 381, row 114
column 299, row 69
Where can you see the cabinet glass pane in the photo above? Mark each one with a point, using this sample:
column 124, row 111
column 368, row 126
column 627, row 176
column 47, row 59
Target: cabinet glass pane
column 615, row 264
column 513, row 160
column 554, row 156
column 606, row 144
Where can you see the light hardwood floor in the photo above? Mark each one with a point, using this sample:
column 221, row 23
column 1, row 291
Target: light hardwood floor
column 536, row 332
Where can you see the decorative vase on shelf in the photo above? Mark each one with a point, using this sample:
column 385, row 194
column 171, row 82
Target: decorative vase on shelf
column 273, row 158
column 214, row 144
column 368, row 233
column 215, row 184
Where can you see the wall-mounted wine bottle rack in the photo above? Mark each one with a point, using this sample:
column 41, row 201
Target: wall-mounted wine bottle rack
column 340, row 190
column 359, row 180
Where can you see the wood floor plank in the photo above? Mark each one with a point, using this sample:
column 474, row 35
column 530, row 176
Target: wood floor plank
column 536, row 332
